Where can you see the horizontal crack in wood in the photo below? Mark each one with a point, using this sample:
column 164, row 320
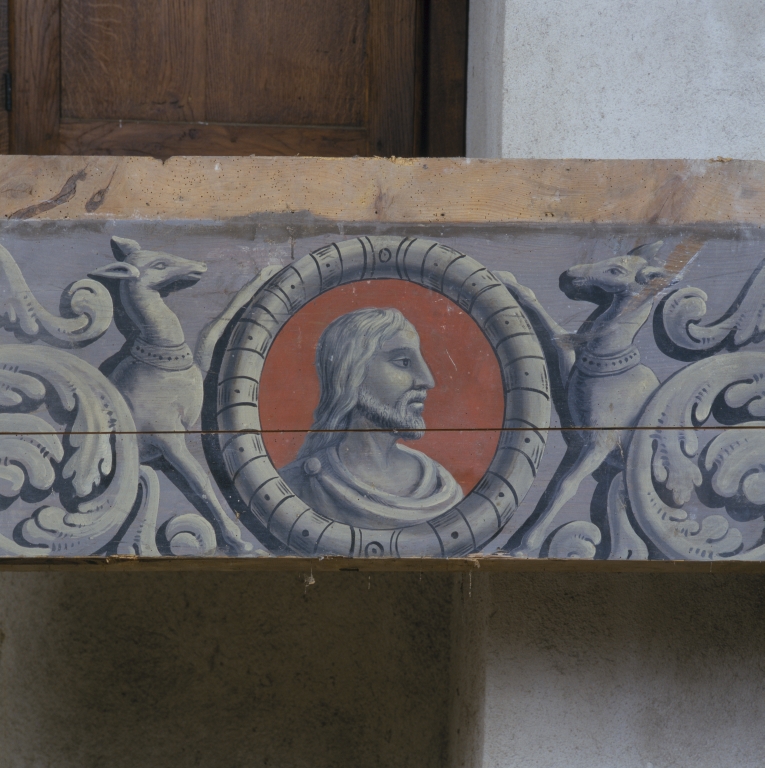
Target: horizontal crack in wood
column 705, row 428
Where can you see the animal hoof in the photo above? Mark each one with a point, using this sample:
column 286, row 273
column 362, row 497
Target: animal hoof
column 239, row 546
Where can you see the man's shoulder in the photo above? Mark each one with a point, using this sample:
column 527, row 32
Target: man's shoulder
column 420, row 456
column 432, row 470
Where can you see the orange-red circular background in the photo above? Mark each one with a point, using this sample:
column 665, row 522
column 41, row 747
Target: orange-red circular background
column 463, row 412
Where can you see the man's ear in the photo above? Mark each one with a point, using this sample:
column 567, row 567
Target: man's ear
column 122, row 247
column 118, row 271
column 649, row 273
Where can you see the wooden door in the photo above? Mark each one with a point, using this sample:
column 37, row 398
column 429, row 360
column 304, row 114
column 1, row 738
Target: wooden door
column 236, row 77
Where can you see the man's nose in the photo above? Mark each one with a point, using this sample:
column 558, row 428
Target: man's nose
column 423, row 378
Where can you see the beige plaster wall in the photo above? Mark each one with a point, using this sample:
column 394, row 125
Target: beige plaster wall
column 223, row 670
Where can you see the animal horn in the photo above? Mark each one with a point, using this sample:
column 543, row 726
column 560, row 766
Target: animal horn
column 122, row 247
column 647, row 251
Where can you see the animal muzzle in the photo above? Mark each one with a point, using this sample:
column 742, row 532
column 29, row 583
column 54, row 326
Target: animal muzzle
column 579, row 274
column 575, row 283
column 197, row 269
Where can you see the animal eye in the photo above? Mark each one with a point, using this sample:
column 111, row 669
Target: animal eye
column 615, row 271
column 160, row 265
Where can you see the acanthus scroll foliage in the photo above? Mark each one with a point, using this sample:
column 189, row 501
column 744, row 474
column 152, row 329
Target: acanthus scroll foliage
column 85, row 306
column 666, row 469
column 95, row 465
column 681, row 334
column 80, row 443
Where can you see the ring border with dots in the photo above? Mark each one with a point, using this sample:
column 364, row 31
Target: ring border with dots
column 471, row 524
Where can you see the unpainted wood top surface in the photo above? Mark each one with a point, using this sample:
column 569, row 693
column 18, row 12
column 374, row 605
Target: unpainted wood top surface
column 445, row 191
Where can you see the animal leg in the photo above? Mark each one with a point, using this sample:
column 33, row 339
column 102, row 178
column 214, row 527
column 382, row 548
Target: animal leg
column 176, row 451
column 140, row 537
column 592, row 455
column 625, row 543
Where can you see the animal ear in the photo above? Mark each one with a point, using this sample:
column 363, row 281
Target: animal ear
column 122, row 247
column 647, row 251
column 649, row 273
column 119, row 271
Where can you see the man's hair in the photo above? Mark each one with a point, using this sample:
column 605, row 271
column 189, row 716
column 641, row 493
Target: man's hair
column 342, row 355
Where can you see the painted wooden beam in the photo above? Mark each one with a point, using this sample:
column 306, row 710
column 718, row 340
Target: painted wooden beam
column 377, row 364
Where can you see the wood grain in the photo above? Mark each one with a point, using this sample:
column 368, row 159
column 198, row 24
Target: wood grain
column 445, row 78
column 658, row 192
column 4, row 68
column 142, row 60
column 391, row 76
column 162, row 140
column 35, row 53
column 286, row 63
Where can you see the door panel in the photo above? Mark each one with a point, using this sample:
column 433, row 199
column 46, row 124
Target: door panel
column 140, row 60
column 35, row 35
column 237, row 77
column 109, row 137
column 304, row 60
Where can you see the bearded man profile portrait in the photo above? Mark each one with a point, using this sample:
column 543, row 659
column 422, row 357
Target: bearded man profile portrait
column 352, row 466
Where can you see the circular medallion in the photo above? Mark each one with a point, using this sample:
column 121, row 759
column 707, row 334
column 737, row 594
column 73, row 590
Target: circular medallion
column 467, row 526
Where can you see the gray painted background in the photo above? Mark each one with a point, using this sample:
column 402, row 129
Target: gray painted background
column 234, row 252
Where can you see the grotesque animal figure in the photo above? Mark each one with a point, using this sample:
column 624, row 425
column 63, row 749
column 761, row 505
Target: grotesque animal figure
column 606, row 387
column 160, row 378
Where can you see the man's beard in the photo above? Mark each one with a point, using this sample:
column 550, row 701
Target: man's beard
column 408, row 426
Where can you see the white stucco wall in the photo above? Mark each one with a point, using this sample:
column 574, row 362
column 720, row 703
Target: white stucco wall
column 616, row 79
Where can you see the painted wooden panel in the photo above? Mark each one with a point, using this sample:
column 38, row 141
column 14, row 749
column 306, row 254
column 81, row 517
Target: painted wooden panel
column 299, row 385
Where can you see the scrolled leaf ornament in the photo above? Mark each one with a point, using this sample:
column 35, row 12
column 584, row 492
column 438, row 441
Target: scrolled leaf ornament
column 96, row 466
column 682, row 335
column 267, row 502
column 86, row 309
column 665, row 469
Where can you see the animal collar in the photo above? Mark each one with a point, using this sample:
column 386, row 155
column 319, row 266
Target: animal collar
column 607, row 365
column 177, row 358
